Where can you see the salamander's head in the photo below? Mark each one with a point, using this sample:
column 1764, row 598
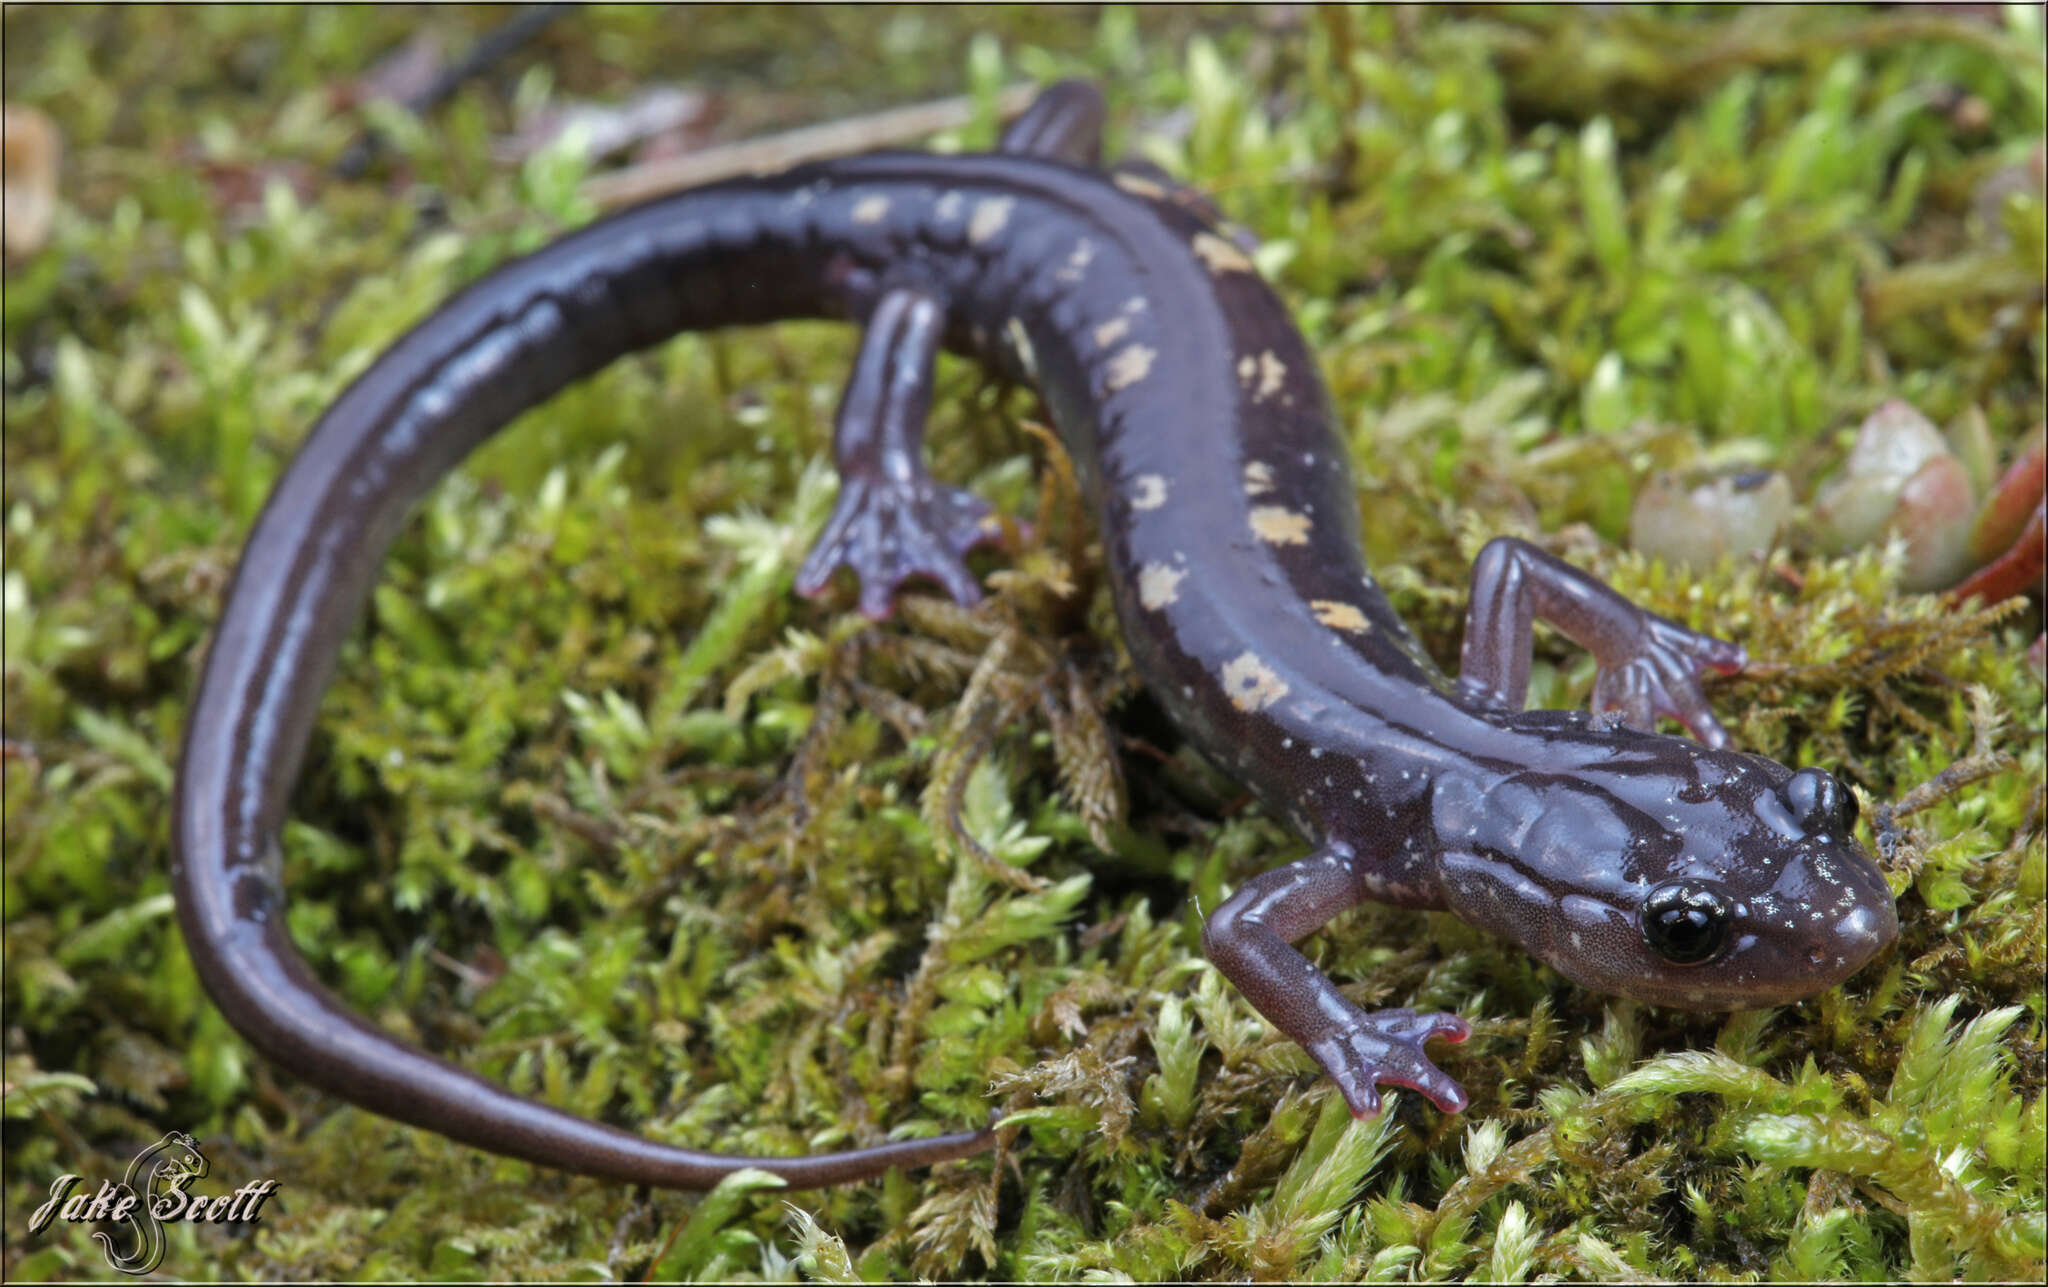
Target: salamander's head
column 1655, row 868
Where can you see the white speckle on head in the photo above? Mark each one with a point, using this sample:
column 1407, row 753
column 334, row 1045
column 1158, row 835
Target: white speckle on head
column 1130, row 366
column 1149, row 492
column 1111, row 331
column 1258, row 478
column 1251, row 684
column 1278, row 525
column 1339, row 615
column 1576, row 940
column 1138, row 187
column 1159, row 585
column 1220, row 255
column 871, row 209
column 1020, row 344
column 948, row 205
column 991, row 215
column 1136, row 304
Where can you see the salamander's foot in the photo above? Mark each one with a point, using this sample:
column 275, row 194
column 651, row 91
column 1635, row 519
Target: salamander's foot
column 1385, row 1048
column 886, row 531
column 1661, row 678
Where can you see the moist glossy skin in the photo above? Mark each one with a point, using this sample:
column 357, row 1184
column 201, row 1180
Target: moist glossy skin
column 1229, row 527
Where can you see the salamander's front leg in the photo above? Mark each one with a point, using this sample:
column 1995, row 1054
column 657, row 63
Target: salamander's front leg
column 894, row 520
column 1250, row 940
column 1649, row 666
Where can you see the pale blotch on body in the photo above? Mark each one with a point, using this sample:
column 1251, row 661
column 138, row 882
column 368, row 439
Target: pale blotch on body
column 871, row 209
column 1251, row 684
column 1138, row 187
column 1149, row 492
column 1130, row 366
column 1271, row 372
column 991, row 215
column 1020, row 343
column 1258, row 477
column 1220, row 255
column 1339, row 615
column 1278, row 525
column 1159, row 585
column 1077, row 263
column 1111, row 331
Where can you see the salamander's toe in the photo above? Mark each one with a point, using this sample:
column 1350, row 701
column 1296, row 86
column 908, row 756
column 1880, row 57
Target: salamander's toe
column 888, row 532
column 1385, row 1048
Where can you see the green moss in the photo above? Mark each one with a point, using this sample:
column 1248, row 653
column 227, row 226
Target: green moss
column 599, row 808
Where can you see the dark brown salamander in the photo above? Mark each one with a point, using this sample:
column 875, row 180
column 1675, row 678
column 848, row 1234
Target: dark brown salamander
column 1670, row 870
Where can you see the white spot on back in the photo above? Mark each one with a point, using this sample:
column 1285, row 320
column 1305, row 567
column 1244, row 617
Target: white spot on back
column 1159, row 585
column 1138, row 187
column 1339, row 615
column 1020, row 342
column 1278, row 525
column 990, row 216
column 1251, row 684
column 1077, row 263
column 1130, row 366
column 1220, row 255
column 1271, row 372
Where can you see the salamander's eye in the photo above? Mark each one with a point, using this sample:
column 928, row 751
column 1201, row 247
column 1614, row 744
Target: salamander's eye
column 1820, row 802
column 1686, row 923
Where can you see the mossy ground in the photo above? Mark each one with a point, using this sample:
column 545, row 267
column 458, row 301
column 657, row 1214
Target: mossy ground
column 600, row 808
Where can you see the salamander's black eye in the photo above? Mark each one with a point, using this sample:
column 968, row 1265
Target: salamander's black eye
column 1686, row 923
column 1820, row 802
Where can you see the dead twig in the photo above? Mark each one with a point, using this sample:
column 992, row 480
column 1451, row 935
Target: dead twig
column 793, row 147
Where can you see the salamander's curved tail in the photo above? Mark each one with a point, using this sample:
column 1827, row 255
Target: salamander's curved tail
column 506, row 343
column 747, row 251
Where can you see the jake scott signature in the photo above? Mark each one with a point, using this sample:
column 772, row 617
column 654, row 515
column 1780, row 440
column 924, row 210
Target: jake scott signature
column 154, row 1193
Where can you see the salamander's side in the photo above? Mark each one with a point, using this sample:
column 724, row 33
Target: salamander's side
column 1175, row 376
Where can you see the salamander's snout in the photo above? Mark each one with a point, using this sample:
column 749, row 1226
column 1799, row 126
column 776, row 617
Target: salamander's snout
column 1856, row 936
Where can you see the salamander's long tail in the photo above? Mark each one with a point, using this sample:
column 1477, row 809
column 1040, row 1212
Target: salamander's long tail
column 752, row 250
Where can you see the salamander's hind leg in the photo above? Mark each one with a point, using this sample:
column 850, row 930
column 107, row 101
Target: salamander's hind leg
column 1063, row 123
column 1649, row 666
column 894, row 520
column 1250, row 937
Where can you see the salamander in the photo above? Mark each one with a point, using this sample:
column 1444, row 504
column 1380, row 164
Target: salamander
column 1674, row 870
